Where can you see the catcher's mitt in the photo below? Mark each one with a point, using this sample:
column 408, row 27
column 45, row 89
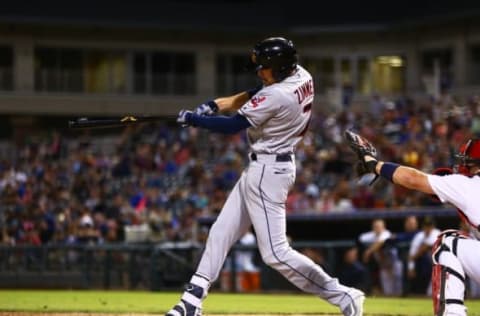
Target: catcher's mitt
column 362, row 147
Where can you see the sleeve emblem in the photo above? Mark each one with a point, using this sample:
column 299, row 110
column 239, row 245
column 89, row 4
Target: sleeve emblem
column 257, row 100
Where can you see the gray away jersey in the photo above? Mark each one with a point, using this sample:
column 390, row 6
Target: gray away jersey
column 279, row 114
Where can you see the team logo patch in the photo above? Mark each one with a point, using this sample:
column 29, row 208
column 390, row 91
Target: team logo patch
column 257, row 100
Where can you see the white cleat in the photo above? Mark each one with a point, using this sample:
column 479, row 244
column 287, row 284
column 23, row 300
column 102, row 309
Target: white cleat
column 184, row 309
column 355, row 308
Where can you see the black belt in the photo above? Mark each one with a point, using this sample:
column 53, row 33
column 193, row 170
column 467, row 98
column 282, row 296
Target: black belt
column 278, row 158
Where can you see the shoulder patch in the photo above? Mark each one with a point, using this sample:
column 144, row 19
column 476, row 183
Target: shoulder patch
column 257, row 100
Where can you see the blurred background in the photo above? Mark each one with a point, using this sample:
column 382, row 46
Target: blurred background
column 129, row 208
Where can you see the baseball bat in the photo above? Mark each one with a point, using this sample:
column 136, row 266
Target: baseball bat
column 85, row 122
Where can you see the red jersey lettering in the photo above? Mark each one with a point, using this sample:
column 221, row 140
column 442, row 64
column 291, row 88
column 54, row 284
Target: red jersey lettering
column 257, row 100
column 304, row 91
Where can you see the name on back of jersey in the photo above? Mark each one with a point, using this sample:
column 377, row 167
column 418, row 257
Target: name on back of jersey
column 304, row 91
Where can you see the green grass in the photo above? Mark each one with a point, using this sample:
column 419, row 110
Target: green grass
column 217, row 303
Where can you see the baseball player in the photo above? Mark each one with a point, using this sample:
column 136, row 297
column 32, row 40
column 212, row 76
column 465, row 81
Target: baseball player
column 455, row 255
column 276, row 117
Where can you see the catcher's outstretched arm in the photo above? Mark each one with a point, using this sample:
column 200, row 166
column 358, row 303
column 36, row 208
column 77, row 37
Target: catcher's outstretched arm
column 408, row 177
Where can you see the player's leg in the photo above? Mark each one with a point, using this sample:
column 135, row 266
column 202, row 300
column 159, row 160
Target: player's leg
column 267, row 189
column 448, row 277
column 468, row 251
column 232, row 222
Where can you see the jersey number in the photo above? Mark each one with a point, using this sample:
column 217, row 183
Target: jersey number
column 306, row 109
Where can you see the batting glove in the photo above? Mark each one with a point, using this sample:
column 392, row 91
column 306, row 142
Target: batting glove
column 183, row 117
column 207, row 108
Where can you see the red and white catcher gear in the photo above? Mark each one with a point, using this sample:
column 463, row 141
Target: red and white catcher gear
column 448, row 276
column 468, row 156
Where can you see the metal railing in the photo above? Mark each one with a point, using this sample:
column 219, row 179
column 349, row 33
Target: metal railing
column 122, row 266
column 164, row 266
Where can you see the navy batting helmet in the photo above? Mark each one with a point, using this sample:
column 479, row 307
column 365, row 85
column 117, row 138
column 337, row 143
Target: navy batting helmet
column 276, row 53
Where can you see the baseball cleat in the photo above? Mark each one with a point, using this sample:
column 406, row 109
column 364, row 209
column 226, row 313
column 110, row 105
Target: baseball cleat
column 184, row 309
column 355, row 308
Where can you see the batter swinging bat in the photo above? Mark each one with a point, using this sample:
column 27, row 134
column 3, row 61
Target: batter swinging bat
column 85, row 122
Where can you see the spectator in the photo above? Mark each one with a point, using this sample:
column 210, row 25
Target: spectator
column 342, row 201
column 312, row 194
column 29, row 235
column 86, row 231
column 384, row 258
column 420, row 257
column 393, row 124
column 363, row 198
column 410, row 229
column 353, row 272
column 326, row 202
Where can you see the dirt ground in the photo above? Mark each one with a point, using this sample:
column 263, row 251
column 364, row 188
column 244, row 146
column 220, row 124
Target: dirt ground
column 96, row 314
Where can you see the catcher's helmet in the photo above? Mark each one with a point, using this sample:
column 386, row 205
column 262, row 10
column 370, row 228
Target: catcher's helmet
column 276, row 53
column 468, row 156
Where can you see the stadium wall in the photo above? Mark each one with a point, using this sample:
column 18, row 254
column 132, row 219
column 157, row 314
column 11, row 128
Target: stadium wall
column 417, row 43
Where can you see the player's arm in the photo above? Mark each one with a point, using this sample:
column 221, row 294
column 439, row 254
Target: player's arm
column 232, row 103
column 218, row 123
column 407, row 177
column 228, row 103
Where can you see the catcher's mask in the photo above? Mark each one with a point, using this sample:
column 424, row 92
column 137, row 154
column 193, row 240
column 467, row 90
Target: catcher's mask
column 468, row 157
column 276, row 53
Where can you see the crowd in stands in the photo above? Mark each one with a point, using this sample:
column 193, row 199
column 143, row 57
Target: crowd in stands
column 150, row 182
column 77, row 188
column 74, row 188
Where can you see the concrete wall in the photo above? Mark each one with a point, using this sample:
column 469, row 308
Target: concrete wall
column 406, row 40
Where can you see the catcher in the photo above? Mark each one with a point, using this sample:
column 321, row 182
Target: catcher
column 455, row 255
